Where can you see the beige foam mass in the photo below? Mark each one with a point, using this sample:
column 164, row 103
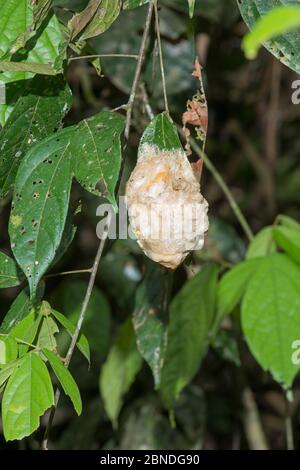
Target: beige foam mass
column 167, row 212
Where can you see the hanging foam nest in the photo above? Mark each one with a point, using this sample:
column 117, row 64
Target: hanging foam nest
column 167, row 212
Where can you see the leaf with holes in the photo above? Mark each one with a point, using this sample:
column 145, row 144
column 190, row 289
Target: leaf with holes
column 44, row 52
column 150, row 318
column 40, row 205
column 66, row 380
column 96, row 147
column 192, row 313
column 36, row 115
column 10, row 275
column 28, row 394
column 285, row 46
column 270, row 316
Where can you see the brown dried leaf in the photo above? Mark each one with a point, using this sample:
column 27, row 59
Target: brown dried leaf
column 196, row 115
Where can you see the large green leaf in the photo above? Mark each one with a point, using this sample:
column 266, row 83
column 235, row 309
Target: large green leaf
column 150, row 318
column 270, row 315
column 40, row 205
column 28, row 394
column 66, row 380
column 25, row 331
column 10, row 274
column 119, row 371
column 92, row 151
column 45, row 50
column 278, row 21
column 99, row 158
column 191, row 315
column 286, row 46
column 35, row 116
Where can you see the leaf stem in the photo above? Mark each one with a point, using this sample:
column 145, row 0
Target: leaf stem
column 96, row 56
column 232, row 202
column 67, row 273
column 288, row 425
column 161, row 61
column 138, row 69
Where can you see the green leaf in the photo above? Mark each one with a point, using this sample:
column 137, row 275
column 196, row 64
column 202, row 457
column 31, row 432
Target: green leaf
column 8, row 350
column 35, row 116
column 19, row 309
column 288, row 222
column 82, row 342
column 45, row 51
column 91, row 149
column 95, row 18
column 262, row 244
column 119, row 371
column 130, row 4
column 7, row 370
column 284, row 46
column 14, row 17
column 191, row 315
column 66, row 380
column 161, row 132
column 40, row 205
column 10, row 275
column 278, row 21
column 46, row 337
column 28, row 394
column 270, row 316
column 150, row 318
column 99, row 158
column 26, row 331
column 289, row 240
column 233, row 285
column 191, row 4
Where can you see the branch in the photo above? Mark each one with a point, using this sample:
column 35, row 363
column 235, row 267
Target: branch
column 163, row 78
column 138, row 69
column 232, row 202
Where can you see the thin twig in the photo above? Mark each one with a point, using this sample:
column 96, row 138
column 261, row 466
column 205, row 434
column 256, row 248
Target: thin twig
column 78, row 326
column 138, row 69
column 252, row 424
column 161, row 61
column 67, row 273
column 100, row 56
column 289, row 425
column 232, row 202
